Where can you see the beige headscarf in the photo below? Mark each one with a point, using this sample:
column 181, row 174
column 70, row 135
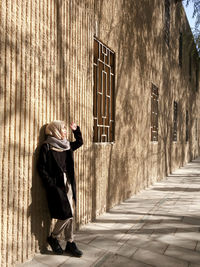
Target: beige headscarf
column 54, row 136
column 54, row 129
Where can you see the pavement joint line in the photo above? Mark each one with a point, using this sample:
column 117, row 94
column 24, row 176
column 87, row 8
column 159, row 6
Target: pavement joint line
column 110, row 254
column 144, row 217
column 60, row 265
column 91, row 245
column 103, row 259
column 98, row 259
column 195, row 249
column 132, row 258
column 186, row 261
column 141, row 221
column 166, row 248
column 91, row 240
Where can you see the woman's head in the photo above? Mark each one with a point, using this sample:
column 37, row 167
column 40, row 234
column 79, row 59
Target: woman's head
column 56, row 129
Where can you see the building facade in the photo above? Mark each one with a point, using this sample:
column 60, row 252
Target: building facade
column 125, row 71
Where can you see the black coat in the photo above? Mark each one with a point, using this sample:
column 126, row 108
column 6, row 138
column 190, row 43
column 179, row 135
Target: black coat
column 52, row 177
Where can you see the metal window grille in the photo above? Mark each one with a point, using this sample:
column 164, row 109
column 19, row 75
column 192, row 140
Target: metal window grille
column 154, row 113
column 196, row 132
column 187, row 126
column 175, row 121
column 167, row 22
column 190, row 67
column 104, row 89
column 197, row 77
column 180, row 48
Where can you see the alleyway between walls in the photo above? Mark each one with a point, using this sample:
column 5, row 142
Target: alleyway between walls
column 160, row 227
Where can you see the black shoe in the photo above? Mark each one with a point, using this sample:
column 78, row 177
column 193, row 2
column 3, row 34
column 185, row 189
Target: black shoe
column 53, row 242
column 72, row 248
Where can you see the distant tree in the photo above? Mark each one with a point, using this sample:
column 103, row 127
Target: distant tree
column 196, row 11
column 196, row 15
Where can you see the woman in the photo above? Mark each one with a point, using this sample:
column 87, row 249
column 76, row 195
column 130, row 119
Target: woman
column 56, row 168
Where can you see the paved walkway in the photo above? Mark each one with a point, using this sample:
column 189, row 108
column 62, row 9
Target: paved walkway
column 160, row 227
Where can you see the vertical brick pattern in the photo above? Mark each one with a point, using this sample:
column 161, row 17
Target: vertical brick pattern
column 45, row 74
column 46, row 59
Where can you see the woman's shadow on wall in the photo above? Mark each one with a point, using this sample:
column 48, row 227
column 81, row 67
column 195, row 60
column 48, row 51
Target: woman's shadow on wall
column 38, row 209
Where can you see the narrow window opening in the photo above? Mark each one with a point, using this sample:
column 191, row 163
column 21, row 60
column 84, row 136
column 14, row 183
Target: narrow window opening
column 197, row 77
column 180, row 49
column 154, row 113
column 167, row 22
column 175, row 121
column 104, row 93
column 187, row 126
column 190, row 67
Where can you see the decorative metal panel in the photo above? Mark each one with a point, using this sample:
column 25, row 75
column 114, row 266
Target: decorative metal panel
column 197, row 76
column 180, row 48
column 154, row 113
column 187, row 126
column 175, row 121
column 190, row 67
column 196, row 129
column 104, row 83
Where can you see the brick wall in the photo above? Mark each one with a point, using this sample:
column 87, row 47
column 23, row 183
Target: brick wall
column 46, row 73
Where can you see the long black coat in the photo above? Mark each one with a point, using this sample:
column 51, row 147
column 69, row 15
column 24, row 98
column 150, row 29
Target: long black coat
column 52, row 177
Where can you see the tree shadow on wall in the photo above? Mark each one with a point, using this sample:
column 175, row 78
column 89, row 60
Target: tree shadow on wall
column 38, row 209
column 136, row 35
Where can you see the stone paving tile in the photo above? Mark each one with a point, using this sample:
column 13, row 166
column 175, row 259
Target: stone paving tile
column 131, row 217
column 147, row 243
column 191, row 220
column 75, row 262
column 143, row 231
column 108, row 242
column 158, row 260
column 163, row 232
column 183, row 254
column 194, row 265
column 94, row 228
column 156, row 218
column 188, row 230
column 32, row 263
column 160, row 232
column 198, row 246
column 105, row 223
column 193, row 214
column 90, row 253
column 161, row 226
column 116, row 260
column 116, row 225
column 95, row 231
column 177, row 241
column 189, row 236
column 126, row 250
column 84, row 238
column 51, row 259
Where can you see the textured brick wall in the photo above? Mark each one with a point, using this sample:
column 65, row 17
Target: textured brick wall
column 134, row 30
column 46, row 74
column 46, row 53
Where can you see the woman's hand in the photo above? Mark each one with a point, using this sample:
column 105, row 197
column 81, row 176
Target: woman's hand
column 73, row 126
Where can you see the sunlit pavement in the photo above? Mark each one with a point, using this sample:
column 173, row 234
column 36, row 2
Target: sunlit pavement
column 160, row 226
